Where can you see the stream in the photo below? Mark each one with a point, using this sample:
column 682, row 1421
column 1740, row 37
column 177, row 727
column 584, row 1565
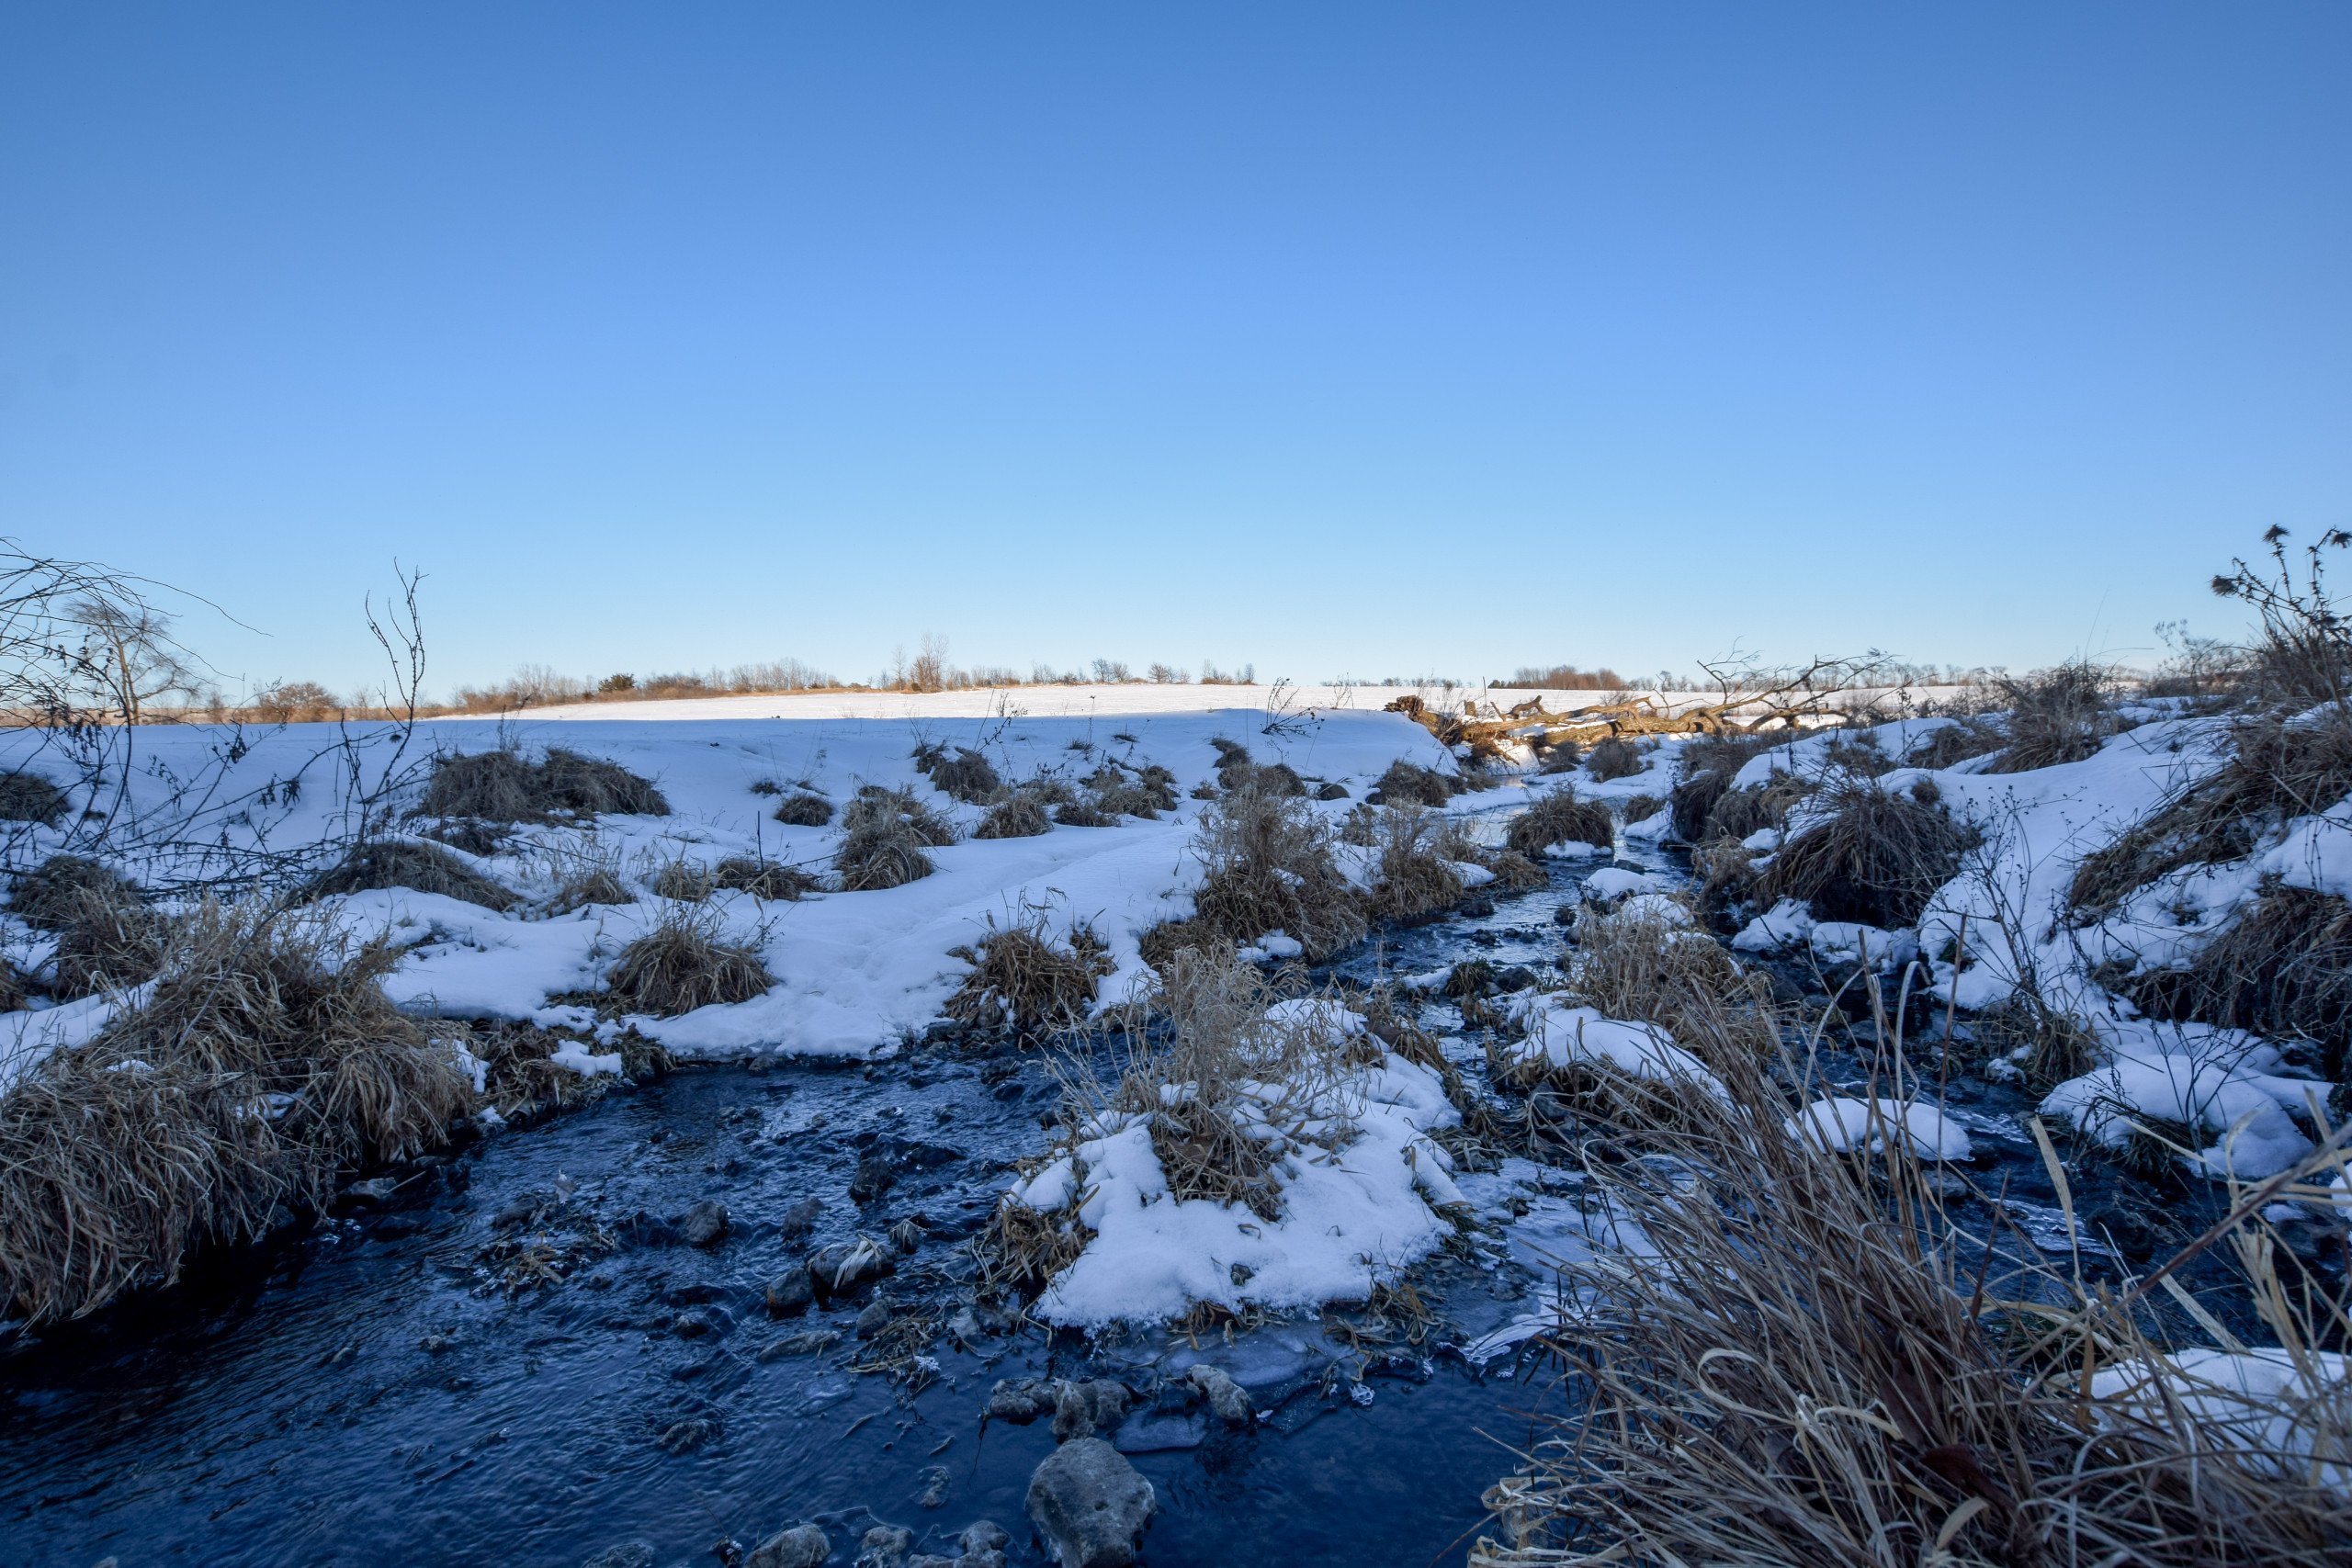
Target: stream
column 513, row 1355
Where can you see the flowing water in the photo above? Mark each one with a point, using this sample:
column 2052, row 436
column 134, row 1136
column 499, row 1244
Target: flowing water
column 515, row 1359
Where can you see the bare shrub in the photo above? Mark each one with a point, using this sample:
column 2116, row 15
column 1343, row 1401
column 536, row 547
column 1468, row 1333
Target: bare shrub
column 1020, row 815
column 406, row 863
column 804, row 810
column 1864, row 853
column 1613, row 758
column 1559, row 817
column 763, row 878
column 1414, row 882
column 2277, row 770
column 2303, row 656
column 683, row 962
column 502, row 786
column 1022, row 977
column 265, row 1061
column 1807, row 1363
column 2060, row 715
column 1268, row 867
column 29, row 797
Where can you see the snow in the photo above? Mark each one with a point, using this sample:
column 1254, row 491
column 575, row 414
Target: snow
column 1350, row 1216
column 1783, row 925
column 1559, row 1035
column 1845, row 941
column 2287, row 1406
column 854, row 972
column 1839, row 1122
column 2217, row 1081
column 1617, row 880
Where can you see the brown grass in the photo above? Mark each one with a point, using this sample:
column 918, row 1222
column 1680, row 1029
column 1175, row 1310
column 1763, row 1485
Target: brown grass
column 804, row 810
column 2060, row 715
column 2276, row 771
column 763, row 878
column 1083, row 814
column 2283, row 969
column 502, row 786
column 1641, row 808
column 594, row 884
column 266, row 1062
column 1644, row 969
column 1020, row 815
column 1414, row 882
column 1560, row 757
column 1024, row 977
column 1872, row 856
column 107, row 942
column 1613, row 758
column 684, row 963
column 966, row 776
column 29, row 797
column 405, row 862
column 1559, row 817
column 687, row 880
column 1268, row 866
column 1836, row 1374
column 1146, row 792
column 1407, row 784
column 1954, row 743
column 53, row 894
column 885, row 832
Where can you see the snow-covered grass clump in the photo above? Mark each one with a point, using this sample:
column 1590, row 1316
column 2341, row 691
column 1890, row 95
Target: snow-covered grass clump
column 1255, row 1153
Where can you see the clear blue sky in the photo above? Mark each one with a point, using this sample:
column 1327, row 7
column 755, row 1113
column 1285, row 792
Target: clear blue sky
column 1356, row 338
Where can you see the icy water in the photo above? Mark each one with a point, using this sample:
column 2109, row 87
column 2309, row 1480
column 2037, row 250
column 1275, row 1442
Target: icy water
column 515, row 1359
column 405, row 1383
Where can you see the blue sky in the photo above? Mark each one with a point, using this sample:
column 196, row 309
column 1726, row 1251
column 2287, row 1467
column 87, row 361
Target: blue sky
column 1350, row 339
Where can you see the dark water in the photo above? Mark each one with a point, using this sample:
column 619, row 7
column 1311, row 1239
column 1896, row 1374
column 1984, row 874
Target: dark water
column 397, row 1385
column 370, row 1391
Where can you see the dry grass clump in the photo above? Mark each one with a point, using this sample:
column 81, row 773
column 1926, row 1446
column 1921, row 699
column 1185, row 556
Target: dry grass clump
column 501, row 786
column 1022, row 977
column 107, row 942
column 265, row 1061
column 1236, row 774
column 28, row 797
column 2282, row 969
column 1145, row 792
column 1269, row 867
column 1648, row 970
column 1868, row 855
column 763, row 878
column 1709, row 764
column 804, row 809
column 1950, row 744
column 407, row 862
column 966, row 776
column 1407, row 783
column 2061, row 715
column 1560, row 818
column 1558, row 756
column 593, row 884
column 2276, row 771
column 688, row 880
column 685, row 962
column 1083, row 814
column 51, row 895
column 1641, row 808
column 1613, row 758
column 1513, row 872
column 1414, row 883
column 885, row 832
column 1812, row 1363
column 1019, row 816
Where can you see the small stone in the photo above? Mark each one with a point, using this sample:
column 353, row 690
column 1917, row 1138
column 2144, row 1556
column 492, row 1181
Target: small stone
column 790, row 1293
column 983, row 1535
column 687, row 1436
column 801, row 1219
column 842, row 1268
column 1090, row 1504
column 1088, row 1409
column 874, row 1318
column 1019, row 1401
column 885, row 1546
column 1226, row 1398
column 802, row 1546
column 705, row 1224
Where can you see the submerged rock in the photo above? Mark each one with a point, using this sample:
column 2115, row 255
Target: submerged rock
column 705, row 1224
column 1019, row 1401
column 885, row 1546
column 846, row 1267
column 802, row 1546
column 790, row 1293
column 1088, row 1409
column 1090, row 1504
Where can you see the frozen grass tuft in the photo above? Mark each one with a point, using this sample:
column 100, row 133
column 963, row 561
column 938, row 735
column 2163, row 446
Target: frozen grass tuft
column 804, row 809
column 1559, row 817
column 29, row 797
column 502, row 786
column 886, row 833
column 1020, row 815
column 1024, row 977
column 1613, row 758
column 266, row 1060
column 1414, row 882
column 763, row 878
column 2060, row 715
column 1268, row 867
column 1407, row 783
column 686, row 880
column 405, row 862
column 685, row 962
column 1863, row 854
column 966, row 776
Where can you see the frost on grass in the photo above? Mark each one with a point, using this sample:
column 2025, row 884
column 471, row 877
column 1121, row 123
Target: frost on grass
column 1252, row 1152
